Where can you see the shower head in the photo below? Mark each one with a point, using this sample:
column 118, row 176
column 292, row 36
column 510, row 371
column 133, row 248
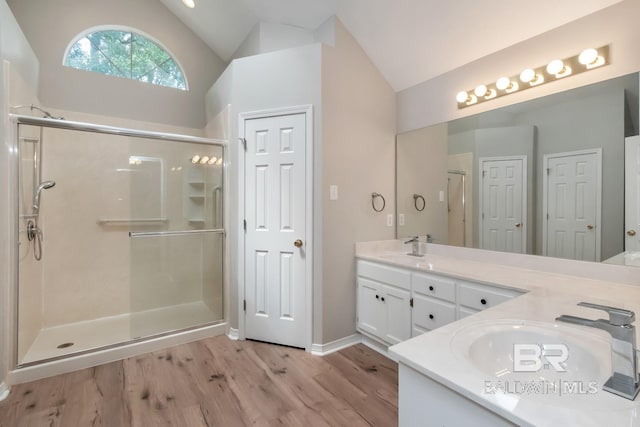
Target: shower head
column 45, row 185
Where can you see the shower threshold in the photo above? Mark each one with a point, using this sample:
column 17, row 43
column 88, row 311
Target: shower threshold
column 75, row 338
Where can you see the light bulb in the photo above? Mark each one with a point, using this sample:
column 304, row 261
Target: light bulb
column 204, row 160
column 189, row 3
column 195, row 159
column 588, row 56
column 555, row 67
column 527, row 75
column 503, row 82
column 480, row 90
column 462, row 97
column 212, row 160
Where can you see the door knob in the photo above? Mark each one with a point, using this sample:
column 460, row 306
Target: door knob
column 590, row 227
column 518, row 225
column 297, row 243
column 631, row 233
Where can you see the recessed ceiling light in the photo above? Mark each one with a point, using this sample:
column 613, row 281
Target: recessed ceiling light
column 189, row 3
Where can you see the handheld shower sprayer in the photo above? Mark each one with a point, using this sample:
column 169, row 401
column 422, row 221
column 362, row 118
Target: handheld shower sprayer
column 45, row 185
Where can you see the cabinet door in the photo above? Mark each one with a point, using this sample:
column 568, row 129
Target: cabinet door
column 398, row 314
column 371, row 317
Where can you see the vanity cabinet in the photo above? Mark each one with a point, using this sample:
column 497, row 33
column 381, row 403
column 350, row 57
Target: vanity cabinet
column 384, row 307
column 395, row 304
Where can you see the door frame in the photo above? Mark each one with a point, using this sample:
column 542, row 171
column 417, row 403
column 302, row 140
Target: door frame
column 545, row 195
column 525, row 195
column 307, row 110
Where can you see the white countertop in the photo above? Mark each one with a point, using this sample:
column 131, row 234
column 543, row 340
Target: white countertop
column 547, row 296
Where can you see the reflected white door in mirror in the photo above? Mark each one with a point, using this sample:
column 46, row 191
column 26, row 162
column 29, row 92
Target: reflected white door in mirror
column 503, row 204
column 632, row 195
column 572, row 202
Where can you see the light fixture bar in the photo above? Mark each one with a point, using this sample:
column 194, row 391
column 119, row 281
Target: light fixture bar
column 556, row 69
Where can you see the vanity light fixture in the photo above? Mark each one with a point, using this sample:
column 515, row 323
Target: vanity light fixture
column 212, row 160
column 189, row 3
column 195, row 159
column 557, row 69
column 204, row 160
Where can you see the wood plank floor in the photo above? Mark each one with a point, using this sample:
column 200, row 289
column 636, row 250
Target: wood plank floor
column 216, row 382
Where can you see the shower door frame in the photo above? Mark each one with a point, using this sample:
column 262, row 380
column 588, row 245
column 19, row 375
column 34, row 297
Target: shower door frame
column 14, row 208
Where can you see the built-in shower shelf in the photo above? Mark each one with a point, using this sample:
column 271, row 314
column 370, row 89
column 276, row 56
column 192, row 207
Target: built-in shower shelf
column 196, row 221
column 196, row 183
column 197, row 197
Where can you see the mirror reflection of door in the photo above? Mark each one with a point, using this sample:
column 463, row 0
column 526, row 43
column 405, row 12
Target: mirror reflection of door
column 572, row 198
column 632, row 194
column 503, row 203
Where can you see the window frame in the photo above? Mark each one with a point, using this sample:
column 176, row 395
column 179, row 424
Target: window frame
column 124, row 28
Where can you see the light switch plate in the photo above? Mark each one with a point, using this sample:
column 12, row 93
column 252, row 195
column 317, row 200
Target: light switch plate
column 441, row 196
column 333, row 192
column 401, row 219
column 390, row 220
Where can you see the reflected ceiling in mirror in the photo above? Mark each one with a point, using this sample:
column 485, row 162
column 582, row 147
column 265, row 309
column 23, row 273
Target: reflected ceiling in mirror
column 544, row 177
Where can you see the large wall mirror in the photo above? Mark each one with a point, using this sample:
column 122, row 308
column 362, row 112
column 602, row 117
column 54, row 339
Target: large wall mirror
column 544, row 177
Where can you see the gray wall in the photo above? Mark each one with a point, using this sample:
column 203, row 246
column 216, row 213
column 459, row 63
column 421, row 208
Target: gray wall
column 590, row 122
column 51, row 25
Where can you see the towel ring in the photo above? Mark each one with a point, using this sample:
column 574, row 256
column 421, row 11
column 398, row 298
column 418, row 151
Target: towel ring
column 374, row 196
column 417, row 197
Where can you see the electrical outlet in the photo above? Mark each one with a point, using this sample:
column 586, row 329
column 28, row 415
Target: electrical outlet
column 441, row 196
column 400, row 219
column 390, row 220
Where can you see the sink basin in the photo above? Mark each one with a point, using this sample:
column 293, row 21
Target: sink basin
column 570, row 354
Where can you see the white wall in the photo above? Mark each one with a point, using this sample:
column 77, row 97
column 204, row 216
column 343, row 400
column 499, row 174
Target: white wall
column 358, row 144
column 18, row 84
column 433, row 101
column 51, row 25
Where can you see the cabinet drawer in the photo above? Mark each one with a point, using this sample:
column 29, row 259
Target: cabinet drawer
column 433, row 286
column 466, row 312
column 385, row 274
column 429, row 313
column 481, row 297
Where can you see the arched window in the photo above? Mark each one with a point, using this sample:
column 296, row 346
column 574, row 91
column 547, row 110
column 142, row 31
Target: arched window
column 125, row 53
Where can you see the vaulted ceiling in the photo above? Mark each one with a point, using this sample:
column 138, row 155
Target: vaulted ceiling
column 410, row 41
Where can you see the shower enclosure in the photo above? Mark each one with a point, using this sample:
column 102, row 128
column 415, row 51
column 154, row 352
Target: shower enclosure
column 120, row 236
column 456, row 207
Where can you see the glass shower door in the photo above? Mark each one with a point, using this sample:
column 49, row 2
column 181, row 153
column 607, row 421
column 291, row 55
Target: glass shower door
column 176, row 236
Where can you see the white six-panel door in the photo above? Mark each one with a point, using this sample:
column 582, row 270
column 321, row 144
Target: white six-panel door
column 275, row 229
column 503, row 198
column 572, row 204
column 632, row 194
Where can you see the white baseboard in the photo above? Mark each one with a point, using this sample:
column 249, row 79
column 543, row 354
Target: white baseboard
column 233, row 334
column 4, row 391
column 328, row 348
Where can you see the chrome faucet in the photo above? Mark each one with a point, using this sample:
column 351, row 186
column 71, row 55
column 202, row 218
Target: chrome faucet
column 625, row 380
column 415, row 246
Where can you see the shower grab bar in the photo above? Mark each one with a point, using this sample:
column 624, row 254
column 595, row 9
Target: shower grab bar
column 175, row 233
column 125, row 221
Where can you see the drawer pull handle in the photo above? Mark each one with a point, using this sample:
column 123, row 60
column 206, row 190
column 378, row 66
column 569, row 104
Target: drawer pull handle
column 382, row 298
column 431, row 316
column 483, row 301
column 431, row 288
column 377, row 296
